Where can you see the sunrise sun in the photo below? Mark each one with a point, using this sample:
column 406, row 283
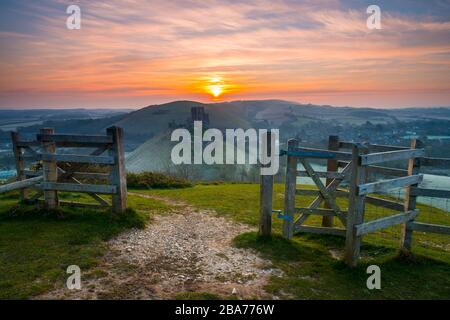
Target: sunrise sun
column 215, row 87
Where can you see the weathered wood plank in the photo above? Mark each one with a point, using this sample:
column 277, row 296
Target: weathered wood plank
column 371, row 226
column 427, row 227
column 384, row 185
column 356, row 207
column 435, row 162
column 289, row 194
column 385, row 203
column 84, row 188
column 68, row 139
column 118, row 174
column 21, row 184
column 78, row 158
column 266, row 192
column 320, row 230
column 372, row 147
column 380, row 157
column 410, row 200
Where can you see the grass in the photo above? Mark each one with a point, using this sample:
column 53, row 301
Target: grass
column 197, row 296
column 311, row 271
column 36, row 247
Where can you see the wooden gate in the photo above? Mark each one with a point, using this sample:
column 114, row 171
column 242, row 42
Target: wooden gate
column 64, row 172
column 356, row 162
column 326, row 193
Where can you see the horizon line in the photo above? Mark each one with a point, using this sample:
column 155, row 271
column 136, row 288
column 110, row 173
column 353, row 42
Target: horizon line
column 5, row 108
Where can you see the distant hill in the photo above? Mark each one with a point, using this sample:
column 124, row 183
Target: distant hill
column 147, row 130
column 310, row 123
column 153, row 120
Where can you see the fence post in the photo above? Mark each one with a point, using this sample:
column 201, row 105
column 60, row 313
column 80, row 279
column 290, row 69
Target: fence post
column 410, row 200
column 355, row 206
column 20, row 163
column 332, row 166
column 118, row 174
column 50, row 171
column 266, row 191
column 289, row 192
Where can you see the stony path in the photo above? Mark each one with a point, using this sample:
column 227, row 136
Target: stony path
column 187, row 251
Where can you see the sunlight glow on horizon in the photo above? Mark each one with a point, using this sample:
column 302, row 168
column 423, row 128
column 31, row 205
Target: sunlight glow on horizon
column 154, row 52
column 216, row 87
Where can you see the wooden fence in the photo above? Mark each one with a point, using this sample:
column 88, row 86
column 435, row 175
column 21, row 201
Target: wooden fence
column 357, row 162
column 54, row 177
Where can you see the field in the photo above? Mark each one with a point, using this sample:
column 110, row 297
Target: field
column 37, row 247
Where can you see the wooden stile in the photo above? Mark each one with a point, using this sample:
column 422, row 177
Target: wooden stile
column 52, row 178
column 358, row 166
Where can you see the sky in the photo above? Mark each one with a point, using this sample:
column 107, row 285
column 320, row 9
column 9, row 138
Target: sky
column 133, row 53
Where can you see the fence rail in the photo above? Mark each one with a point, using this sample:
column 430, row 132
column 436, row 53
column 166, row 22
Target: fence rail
column 385, row 185
column 380, row 157
column 360, row 169
column 53, row 178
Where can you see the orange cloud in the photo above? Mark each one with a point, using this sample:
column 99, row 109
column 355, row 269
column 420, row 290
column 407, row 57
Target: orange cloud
column 139, row 52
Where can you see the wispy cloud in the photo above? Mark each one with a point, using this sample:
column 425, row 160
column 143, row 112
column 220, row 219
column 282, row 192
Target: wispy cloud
column 132, row 52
